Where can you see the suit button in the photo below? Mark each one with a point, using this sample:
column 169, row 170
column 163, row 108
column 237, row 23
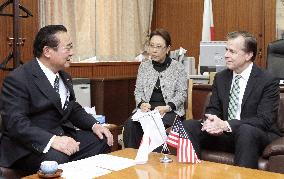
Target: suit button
column 35, row 146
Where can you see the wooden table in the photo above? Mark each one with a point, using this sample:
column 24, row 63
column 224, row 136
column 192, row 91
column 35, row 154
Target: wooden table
column 155, row 169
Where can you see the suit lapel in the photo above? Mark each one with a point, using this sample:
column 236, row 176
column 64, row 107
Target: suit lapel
column 44, row 85
column 68, row 84
column 227, row 88
column 250, row 84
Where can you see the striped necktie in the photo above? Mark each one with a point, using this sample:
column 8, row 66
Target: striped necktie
column 234, row 98
column 56, row 84
column 56, row 87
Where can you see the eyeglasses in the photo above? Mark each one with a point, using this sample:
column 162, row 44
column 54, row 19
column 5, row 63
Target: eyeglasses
column 158, row 47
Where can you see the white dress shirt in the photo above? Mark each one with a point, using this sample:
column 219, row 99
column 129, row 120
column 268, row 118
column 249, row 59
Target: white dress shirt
column 243, row 83
column 64, row 93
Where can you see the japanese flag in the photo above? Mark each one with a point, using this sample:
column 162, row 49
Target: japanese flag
column 208, row 26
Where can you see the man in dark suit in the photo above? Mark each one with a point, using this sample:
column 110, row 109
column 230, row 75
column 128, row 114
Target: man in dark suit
column 241, row 115
column 40, row 111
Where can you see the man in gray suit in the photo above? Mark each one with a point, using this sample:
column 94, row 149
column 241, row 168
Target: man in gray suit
column 241, row 115
column 40, row 111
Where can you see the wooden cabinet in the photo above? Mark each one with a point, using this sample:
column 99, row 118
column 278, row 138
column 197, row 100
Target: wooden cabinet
column 104, row 69
column 199, row 96
column 112, row 87
column 113, row 97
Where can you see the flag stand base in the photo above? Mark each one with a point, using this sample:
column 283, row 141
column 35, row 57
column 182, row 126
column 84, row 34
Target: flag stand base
column 166, row 159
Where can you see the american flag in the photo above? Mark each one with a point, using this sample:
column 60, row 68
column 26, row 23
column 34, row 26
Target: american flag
column 179, row 139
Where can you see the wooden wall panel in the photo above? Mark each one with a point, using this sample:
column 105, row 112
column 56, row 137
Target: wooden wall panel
column 28, row 29
column 183, row 19
column 5, row 31
column 244, row 15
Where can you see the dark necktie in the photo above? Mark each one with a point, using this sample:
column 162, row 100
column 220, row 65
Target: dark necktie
column 56, row 84
column 234, row 98
column 56, row 87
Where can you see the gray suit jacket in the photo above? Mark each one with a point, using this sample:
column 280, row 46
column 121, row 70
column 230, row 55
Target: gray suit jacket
column 173, row 83
column 32, row 113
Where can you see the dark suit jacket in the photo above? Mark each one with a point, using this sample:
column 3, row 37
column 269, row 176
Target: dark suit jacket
column 260, row 101
column 32, row 113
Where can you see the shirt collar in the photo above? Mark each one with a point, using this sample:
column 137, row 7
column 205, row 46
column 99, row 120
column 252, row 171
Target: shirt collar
column 48, row 73
column 246, row 73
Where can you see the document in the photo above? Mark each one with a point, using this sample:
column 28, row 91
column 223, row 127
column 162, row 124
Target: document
column 111, row 162
column 94, row 166
column 83, row 170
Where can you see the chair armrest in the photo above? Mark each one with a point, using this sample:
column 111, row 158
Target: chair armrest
column 274, row 148
column 276, row 164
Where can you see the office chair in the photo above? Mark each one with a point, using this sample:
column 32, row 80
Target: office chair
column 275, row 58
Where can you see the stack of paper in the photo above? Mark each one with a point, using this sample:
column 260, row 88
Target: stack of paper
column 73, row 170
column 94, row 166
column 117, row 163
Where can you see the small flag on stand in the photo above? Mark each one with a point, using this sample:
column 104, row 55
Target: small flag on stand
column 154, row 133
column 179, row 139
column 208, row 26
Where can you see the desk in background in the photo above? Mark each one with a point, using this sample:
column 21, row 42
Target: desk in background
column 113, row 97
column 112, row 87
column 103, row 69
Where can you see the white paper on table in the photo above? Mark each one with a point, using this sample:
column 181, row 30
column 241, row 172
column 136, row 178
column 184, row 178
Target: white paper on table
column 111, row 162
column 82, row 170
column 94, row 166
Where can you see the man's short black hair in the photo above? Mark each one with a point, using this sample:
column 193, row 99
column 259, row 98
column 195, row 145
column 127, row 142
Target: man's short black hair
column 46, row 37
